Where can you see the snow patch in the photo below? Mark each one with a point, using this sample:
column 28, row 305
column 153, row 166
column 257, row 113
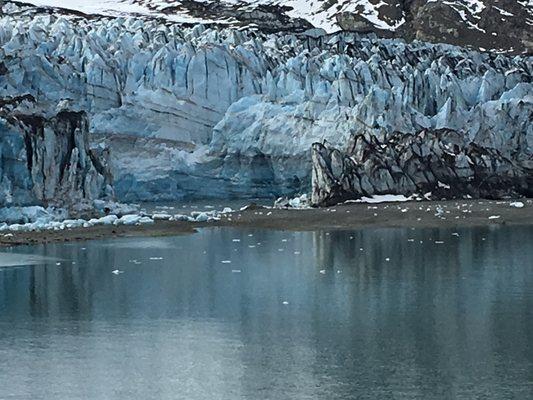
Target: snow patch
column 385, row 198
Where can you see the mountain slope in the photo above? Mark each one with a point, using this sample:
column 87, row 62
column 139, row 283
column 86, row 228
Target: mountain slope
column 497, row 25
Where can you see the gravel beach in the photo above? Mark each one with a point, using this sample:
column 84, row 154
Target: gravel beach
column 416, row 214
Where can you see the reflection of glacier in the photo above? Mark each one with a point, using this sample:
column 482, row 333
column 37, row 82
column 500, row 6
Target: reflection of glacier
column 458, row 311
column 205, row 112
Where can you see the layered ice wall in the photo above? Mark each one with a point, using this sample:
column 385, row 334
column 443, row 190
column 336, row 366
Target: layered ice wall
column 222, row 112
column 48, row 161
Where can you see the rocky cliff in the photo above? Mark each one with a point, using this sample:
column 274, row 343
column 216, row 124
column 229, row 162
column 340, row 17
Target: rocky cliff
column 436, row 163
column 210, row 111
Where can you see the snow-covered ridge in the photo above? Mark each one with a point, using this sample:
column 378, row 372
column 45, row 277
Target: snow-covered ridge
column 485, row 24
column 319, row 13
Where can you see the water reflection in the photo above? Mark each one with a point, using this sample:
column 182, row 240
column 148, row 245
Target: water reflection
column 390, row 313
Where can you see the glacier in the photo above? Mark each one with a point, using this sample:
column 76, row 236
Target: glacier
column 171, row 111
column 48, row 160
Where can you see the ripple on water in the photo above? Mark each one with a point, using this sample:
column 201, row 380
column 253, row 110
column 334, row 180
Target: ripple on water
column 20, row 260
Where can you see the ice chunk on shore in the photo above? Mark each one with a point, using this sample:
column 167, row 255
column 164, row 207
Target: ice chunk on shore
column 111, row 207
column 23, row 215
column 298, row 202
column 202, row 217
column 385, row 198
column 107, row 220
column 161, row 217
column 133, row 219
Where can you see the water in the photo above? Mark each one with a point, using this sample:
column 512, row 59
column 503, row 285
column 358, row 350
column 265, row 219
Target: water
column 309, row 316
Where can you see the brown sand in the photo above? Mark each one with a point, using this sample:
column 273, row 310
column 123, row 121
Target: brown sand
column 460, row 213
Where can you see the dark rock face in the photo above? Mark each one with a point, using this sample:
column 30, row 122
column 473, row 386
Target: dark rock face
column 267, row 17
column 443, row 162
column 487, row 24
column 491, row 24
column 48, row 161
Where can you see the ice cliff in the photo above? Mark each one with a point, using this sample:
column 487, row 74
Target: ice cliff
column 198, row 111
column 48, row 160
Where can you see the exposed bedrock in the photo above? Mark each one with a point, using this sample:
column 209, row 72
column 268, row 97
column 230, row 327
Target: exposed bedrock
column 489, row 24
column 48, row 161
column 442, row 162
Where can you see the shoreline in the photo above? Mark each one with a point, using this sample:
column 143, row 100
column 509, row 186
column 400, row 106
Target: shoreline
column 352, row 216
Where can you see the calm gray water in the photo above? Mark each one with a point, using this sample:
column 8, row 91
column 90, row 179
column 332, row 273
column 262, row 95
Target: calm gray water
column 375, row 314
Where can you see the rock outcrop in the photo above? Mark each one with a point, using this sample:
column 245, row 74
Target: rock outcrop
column 503, row 26
column 438, row 163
